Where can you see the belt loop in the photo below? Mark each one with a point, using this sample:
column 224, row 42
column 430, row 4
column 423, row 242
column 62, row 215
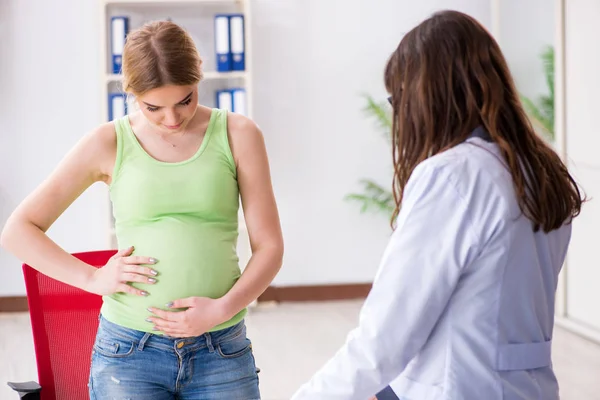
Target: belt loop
column 143, row 341
column 209, row 343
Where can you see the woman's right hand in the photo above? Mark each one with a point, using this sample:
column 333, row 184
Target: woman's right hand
column 121, row 269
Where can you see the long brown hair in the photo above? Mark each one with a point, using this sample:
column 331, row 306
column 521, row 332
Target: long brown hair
column 447, row 77
column 159, row 53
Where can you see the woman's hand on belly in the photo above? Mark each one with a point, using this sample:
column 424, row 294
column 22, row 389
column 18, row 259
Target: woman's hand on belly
column 119, row 271
column 201, row 315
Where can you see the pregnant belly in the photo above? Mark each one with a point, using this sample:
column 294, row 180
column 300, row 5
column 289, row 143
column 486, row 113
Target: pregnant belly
column 189, row 265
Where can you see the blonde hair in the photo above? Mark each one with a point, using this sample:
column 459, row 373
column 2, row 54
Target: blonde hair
column 159, row 53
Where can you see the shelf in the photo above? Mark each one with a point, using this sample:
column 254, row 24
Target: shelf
column 225, row 75
column 209, row 75
column 114, row 78
column 171, row 2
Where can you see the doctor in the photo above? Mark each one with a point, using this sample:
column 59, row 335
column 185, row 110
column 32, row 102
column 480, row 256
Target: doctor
column 463, row 302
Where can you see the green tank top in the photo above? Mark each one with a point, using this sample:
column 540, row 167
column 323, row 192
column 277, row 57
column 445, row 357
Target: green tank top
column 184, row 214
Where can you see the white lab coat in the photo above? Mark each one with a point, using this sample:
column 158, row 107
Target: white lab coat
column 462, row 305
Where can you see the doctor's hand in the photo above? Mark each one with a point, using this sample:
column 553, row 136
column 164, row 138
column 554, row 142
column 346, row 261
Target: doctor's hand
column 201, row 315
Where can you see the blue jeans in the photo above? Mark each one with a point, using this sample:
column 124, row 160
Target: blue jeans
column 133, row 365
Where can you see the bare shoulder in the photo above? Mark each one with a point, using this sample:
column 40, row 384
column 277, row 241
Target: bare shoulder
column 99, row 146
column 241, row 127
column 104, row 135
column 244, row 135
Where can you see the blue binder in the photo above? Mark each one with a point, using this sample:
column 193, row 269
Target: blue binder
column 117, row 106
column 239, row 101
column 224, row 100
column 236, row 32
column 119, row 27
column 222, row 43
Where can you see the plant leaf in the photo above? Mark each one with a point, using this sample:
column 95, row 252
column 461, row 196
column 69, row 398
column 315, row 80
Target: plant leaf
column 373, row 198
column 381, row 112
column 548, row 60
column 537, row 117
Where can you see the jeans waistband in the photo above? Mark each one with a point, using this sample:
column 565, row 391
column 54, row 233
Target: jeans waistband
column 143, row 339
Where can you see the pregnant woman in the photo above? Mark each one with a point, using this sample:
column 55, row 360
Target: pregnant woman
column 172, row 320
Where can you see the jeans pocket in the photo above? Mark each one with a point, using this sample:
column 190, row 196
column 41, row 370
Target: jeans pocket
column 234, row 347
column 113, row 347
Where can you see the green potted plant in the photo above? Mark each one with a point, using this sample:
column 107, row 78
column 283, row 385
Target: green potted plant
column 373, row 197
column 541, row 112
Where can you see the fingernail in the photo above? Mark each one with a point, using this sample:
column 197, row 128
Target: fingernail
column 151, row 280
column 152, row 260
column 153, row 272
column 150, row 310
column 155, row 329
column 144, row 293
column 170, row 304
column 148, row 320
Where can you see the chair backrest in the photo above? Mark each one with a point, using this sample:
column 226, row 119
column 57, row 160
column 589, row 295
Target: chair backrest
column 64, row 320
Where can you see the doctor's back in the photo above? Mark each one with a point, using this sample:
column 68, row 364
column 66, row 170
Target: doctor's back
column 462, row 306
column 483, row 228
column 493, row 338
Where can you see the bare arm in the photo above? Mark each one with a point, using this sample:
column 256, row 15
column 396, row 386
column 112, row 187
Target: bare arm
column 260, row 211
column 24, row 234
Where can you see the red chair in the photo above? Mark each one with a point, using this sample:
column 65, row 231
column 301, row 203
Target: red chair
column 64, row 320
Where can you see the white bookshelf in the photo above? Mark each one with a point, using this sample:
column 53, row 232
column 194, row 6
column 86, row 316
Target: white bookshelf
column 210, row 75
column 197, row 17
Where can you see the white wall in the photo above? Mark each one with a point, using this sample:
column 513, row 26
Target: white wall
column 526, row 27
column 49, row 97
column 583, row 142
column 312, row 60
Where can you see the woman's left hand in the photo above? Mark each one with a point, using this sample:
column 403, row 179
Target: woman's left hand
column 202, row 314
